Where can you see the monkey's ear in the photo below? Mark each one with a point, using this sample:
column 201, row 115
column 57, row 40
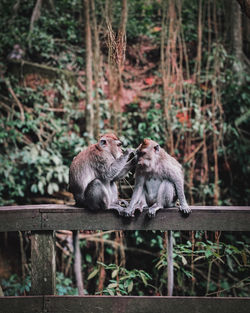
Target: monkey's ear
column 103, row 142
column 157, row 148
column 119, row 143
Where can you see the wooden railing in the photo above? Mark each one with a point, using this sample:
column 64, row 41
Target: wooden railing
column 42, row 220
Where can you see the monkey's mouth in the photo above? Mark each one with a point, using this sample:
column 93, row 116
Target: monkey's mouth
column 143, row 162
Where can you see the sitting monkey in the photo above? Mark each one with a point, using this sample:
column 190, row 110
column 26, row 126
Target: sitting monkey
column 94, row 172
column 159, row 181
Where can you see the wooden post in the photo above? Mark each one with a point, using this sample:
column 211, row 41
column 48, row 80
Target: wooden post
column 43, row 265
column 170, row 263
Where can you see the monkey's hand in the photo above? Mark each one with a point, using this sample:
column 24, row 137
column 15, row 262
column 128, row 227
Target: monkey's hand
column 185, row 209
column 123, row 203
column 131, row 153
column 153, row 209
column 128, row 212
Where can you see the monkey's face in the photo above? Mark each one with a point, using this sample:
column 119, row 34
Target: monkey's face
column 112, row 145
column 148, row 153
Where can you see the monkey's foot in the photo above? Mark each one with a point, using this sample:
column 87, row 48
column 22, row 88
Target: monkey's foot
column 185, row 209
column 117, row 207
column 123, row 203
column 128, row 213
column 140, row 206
column 153, row 209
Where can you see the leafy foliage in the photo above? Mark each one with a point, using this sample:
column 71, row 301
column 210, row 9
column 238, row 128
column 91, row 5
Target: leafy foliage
column 204, row 113
column 14, row 286
column 126, row 280
column 39, row 149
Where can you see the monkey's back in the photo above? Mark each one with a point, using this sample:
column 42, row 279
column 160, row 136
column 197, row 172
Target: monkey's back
column 171, row 167
column 81, row 172
column 89, row 164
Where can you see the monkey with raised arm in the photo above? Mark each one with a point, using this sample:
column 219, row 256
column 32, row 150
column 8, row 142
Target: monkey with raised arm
column 94, row 172
column 159, row 181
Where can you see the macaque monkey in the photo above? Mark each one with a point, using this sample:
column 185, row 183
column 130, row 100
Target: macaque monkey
column 92, row 180
column 94, row 172
column 16, row 54
column 159, row 181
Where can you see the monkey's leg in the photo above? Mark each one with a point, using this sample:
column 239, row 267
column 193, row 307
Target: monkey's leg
column 137, row 197
column 168, row 195
column 179, row 186
column 113, row 198
column 165, row 198
column 139, row 205
column 117, row 207
column 96, row 196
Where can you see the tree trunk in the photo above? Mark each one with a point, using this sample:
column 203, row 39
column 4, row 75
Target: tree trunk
column 245, row 7
column 35, row 15
column 246, row 36
column 236, row 39
column 117, row 48
column 78, row 263
column 97, row 70
column 236, row 30
column 89, row 76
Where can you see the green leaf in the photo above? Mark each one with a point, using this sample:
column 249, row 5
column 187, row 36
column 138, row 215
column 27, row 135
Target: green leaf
column 112, row 285
column 143, row 279
column 111, row 292
column 88, row 258
column 93, row 274
column 184, row 260
column 208, row 253
column 130, row 286
column 114, row 273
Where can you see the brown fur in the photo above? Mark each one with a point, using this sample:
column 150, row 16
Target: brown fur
column 95, row 170
column 158, row 180
column 109, row 136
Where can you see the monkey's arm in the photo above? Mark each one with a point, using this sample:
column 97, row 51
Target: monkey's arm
column 138, row 197
column 130, row 164
column 177, row 179
column 112, row 172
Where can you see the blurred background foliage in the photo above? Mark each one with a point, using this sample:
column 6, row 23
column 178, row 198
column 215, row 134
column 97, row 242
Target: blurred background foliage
column 179, row 75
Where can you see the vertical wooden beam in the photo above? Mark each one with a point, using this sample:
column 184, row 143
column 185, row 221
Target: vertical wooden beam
column 170, row 263
column 43, row 263
column 78, row 263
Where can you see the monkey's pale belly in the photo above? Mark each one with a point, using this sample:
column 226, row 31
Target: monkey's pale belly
column 151, row 190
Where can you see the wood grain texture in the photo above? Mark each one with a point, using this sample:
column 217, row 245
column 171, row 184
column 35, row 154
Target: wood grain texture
column 95, row 304
column 22, row 304
column 124, row 304
column 55, row 217
column 43, row 263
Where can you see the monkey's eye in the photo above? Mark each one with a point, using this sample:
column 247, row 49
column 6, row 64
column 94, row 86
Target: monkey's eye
column 119, row 143
column 157, row 148
column 103, row 142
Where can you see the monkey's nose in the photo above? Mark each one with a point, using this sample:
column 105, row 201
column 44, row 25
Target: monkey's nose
column 141, row 154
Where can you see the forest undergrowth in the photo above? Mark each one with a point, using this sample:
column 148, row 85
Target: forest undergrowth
column 159, row 70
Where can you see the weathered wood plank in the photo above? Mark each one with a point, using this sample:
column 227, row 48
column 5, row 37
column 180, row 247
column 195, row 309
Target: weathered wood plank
column 168, row 219
column 13, row 220
column 96, row 304
column 43, row 263
column 22, row 304
column 55, row 217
